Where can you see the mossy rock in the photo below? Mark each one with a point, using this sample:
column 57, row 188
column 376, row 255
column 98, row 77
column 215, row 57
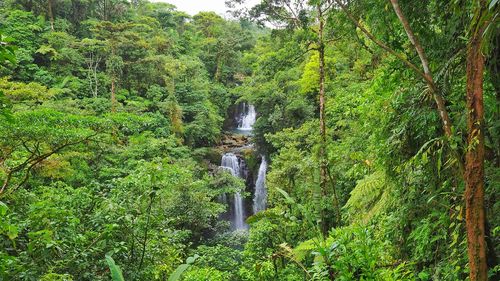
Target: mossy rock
column 210, row 154
column 252, row 159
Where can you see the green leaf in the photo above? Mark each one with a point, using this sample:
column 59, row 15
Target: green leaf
column 492, row 4
column 285, row 194
column 192, row 259
column 116, row 272
column 176, row 275
column 3, row 209
column 12, row 232
column 178, row 272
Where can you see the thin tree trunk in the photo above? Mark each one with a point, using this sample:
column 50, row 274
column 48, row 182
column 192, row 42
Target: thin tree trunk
column 427, row 72
column 322, row 125
column 104, row 11
column 51, row 15
column 95, row 79
column 148, row 219
column 413, row 39
column 475, row 216
column 29, row 6
column 218, row 68
column 92, row 74
column 113, row 95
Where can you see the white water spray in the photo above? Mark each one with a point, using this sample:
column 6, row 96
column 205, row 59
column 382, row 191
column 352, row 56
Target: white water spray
column 247, row 118
column 230, row 162
column 260, row 197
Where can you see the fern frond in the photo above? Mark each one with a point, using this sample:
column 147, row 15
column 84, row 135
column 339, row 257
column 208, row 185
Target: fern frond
column 369, row 198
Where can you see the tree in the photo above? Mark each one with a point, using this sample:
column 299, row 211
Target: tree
column 221, row 44
column 95, row 52
column 6, row 54
column 35, row 136
column 113, row 35
column 475, row 218
column 472, row 170
column 50, row 14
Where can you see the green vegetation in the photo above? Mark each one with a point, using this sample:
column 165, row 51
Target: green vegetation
column 380, row 121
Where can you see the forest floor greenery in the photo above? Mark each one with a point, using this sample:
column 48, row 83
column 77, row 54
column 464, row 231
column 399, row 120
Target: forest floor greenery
column 113, row 114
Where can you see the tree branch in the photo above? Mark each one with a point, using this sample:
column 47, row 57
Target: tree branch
column 413, row 39
column 378, row 42
column 33, row 161
column 426, row 74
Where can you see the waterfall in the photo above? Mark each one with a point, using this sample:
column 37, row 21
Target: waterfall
column 259, row 199
column 247, row 117
column 238, row 221
column 231, row 163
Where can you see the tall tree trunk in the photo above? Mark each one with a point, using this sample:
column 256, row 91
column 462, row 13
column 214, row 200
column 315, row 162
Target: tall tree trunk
column 104, row 10
column 113, row 95
column 50, row 13
column 95, row 79
column 322, row 125
column 218, row 67
column 148, row 219
column 475, row 217
column 29, row 6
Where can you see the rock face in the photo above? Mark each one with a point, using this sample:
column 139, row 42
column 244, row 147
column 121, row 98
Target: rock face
column 234, row 142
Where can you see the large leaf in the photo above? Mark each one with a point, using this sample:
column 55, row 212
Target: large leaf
column 116, row 272
column 285, row 194
column 178, row 272
column 492, row 4
column 176, row 275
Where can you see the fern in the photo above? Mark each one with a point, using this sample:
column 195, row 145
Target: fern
column 369, row 198
column 303, row 249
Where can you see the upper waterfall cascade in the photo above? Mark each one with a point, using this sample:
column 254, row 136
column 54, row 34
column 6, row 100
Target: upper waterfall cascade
column 247, row 117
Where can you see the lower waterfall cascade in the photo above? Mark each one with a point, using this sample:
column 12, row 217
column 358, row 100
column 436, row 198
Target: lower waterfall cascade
column 231, row 163
column 260, row 196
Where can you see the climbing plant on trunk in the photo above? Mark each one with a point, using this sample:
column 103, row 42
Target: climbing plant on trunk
column 475, row 217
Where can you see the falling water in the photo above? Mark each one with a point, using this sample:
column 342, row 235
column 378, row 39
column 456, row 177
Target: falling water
column 239, row 215
column 231, row 163
column 247, row 118
column 259, row 199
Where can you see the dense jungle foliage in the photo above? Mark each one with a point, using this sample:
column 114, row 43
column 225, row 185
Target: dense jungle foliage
column 380, row 121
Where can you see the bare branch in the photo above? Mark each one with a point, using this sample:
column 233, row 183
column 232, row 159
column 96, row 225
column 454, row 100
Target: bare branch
column 413, row 39
column 358, row 24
